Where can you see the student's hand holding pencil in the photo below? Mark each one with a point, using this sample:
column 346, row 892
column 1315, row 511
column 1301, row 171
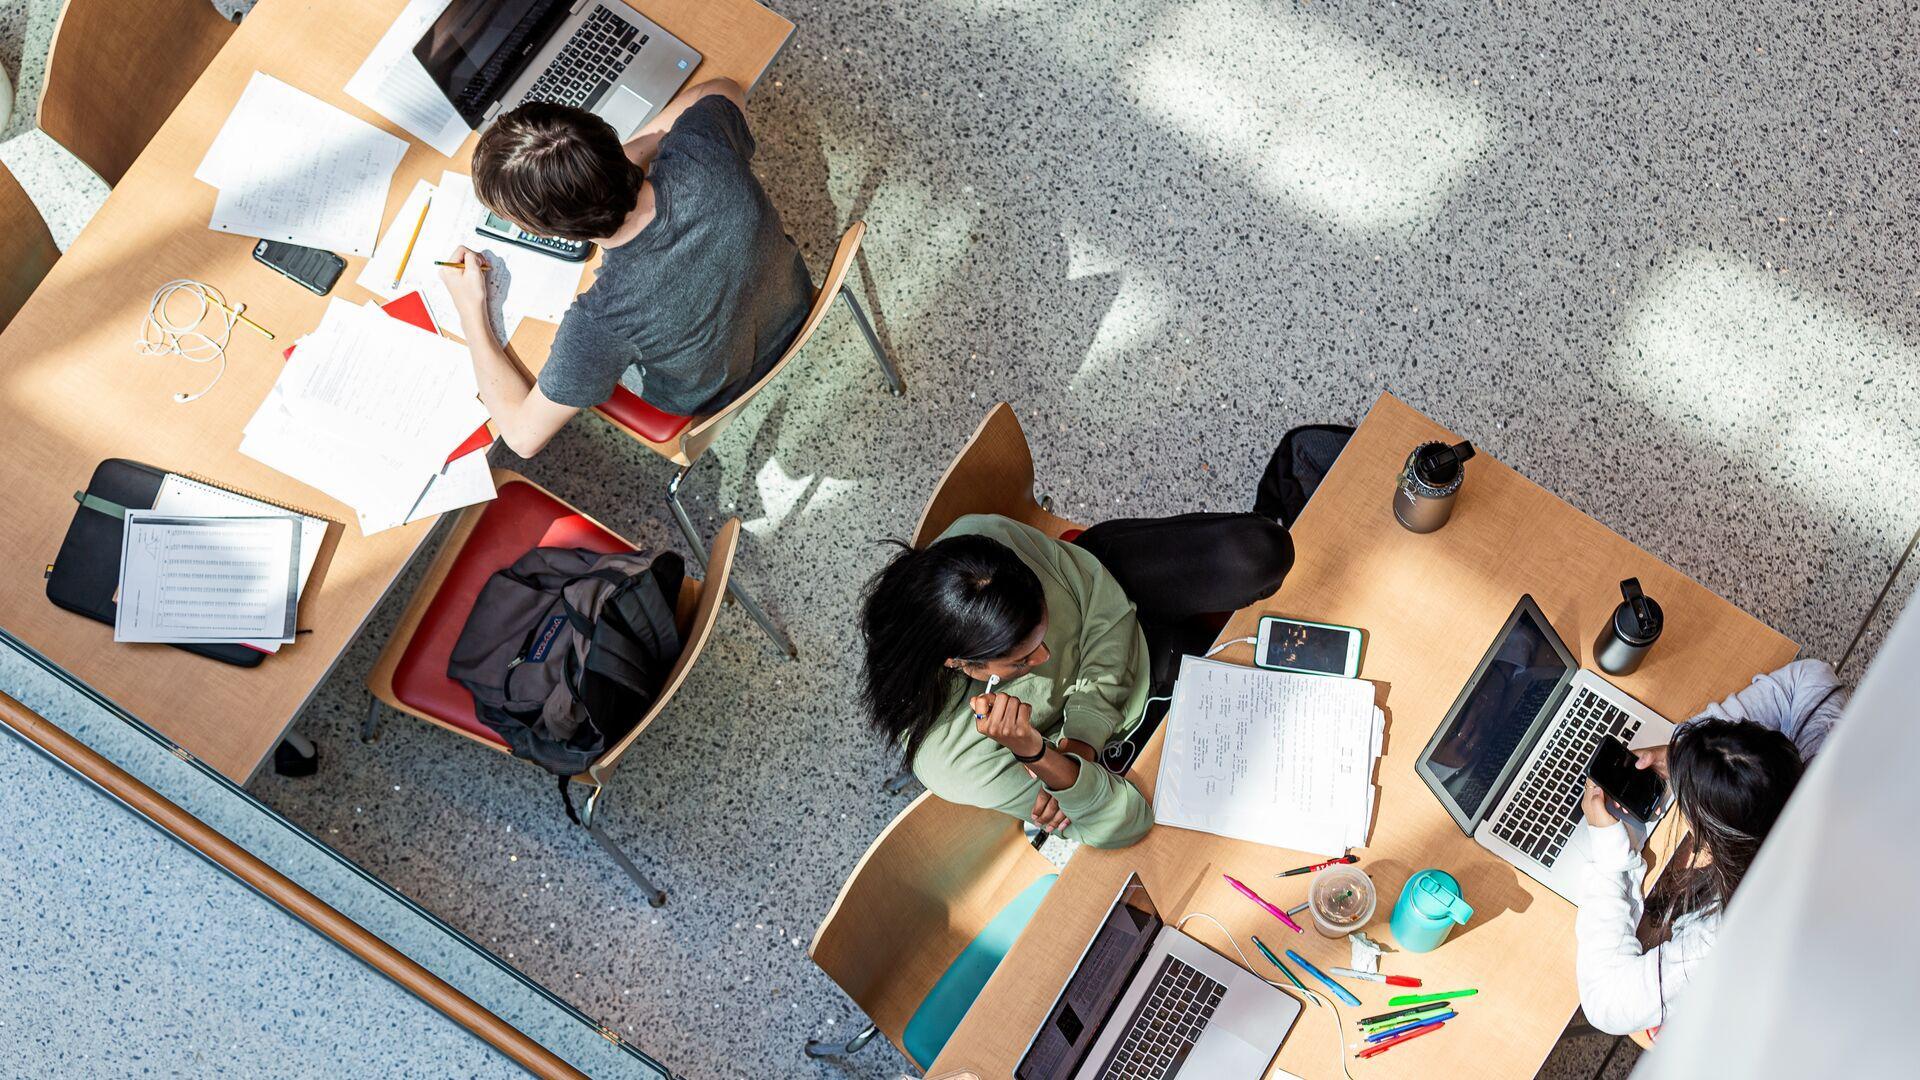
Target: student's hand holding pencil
column 465, row 275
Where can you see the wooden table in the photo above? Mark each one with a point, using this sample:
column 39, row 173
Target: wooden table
column 1431, row 605
column 76, row 391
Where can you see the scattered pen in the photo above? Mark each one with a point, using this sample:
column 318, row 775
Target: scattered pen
column 1299, row 907
column 1422, row 999
column 1339, row 991
column 1374, row 976
column 1429, row 1021
column 1398, row 1014
column 1414, row 1016
column 1383, row 1047
column 423, row 494
column 1275, row 961
column 1318, row 866
column 1271, row 910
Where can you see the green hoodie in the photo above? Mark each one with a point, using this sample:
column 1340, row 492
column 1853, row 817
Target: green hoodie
column 1092, row 688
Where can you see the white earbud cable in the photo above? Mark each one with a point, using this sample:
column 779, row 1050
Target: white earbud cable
column 163, row 335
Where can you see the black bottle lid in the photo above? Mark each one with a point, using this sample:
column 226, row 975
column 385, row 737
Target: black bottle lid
column 1638, row 619
column 1438, row 465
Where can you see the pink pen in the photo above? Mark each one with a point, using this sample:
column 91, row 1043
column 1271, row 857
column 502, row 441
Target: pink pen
column 1271, row 910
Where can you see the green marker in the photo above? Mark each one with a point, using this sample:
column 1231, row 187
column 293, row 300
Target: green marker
column 1422, row 999
column 1275, row 961
column 1409, row 1017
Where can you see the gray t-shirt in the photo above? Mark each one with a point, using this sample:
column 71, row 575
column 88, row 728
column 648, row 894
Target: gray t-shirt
column 693, row 310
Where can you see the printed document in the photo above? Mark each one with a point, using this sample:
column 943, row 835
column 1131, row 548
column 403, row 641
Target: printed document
column 1270, row 756
column 207, row 580
column 392, row 83
column 291, row 167
column 182, row 496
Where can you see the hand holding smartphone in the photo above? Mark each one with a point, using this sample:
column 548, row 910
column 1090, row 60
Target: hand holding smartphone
column 1640, row 793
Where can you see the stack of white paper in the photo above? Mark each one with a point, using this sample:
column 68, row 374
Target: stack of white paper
column 1270, row 756
column 291, row 167
column 367, row 410
column 525, row 284
column 183, row 497
column 392, row 82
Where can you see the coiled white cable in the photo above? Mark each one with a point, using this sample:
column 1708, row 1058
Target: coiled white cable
column 162, row 334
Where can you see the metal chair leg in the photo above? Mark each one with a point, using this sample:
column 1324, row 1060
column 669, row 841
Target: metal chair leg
column 894, row 382
column 898, row 783
column 370, row 727
column 820, row 1048
column 699, row 547
column 656, row 896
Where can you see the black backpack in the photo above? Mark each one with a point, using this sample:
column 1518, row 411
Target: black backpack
column 566, row 649
column 1299, row 463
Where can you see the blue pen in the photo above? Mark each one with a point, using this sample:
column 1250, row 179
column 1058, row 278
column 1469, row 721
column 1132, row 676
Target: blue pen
column 1339, row 991
column 1404, row 1028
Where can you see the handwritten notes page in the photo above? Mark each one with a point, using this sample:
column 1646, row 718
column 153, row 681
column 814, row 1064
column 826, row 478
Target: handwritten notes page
column 291, row 167
column 1270, row 756
column 392, row 83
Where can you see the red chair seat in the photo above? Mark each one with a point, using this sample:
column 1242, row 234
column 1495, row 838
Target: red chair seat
column 627, row 410
column 520, row 518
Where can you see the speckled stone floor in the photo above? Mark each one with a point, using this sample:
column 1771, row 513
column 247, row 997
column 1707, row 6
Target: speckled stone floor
column 1654, row 256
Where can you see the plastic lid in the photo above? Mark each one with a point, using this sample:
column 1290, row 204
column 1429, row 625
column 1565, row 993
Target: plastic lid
column 1437, row 895
column 1439, row 464
column 1638, row 619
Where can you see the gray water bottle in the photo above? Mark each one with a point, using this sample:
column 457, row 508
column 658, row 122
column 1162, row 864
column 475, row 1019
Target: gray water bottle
column 1632, row 630
column 1423, row 499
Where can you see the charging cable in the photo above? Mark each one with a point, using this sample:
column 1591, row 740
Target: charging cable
column 1339, row 1039
column 1228, row 644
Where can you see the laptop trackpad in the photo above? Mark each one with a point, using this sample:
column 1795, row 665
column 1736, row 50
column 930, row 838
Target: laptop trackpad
column 625, row 110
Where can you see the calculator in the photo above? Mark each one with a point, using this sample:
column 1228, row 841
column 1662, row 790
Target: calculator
column 570, row 250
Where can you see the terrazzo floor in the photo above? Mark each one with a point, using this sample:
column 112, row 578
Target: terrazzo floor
column 1653, row 257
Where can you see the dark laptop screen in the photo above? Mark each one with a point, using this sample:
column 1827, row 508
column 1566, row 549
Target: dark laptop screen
column 1096, row 985
column 476, row 48
column 1519, row 677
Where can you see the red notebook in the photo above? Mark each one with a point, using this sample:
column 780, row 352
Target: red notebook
column 412, row 310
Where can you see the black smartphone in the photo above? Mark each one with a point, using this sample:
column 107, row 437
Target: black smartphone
column 311, row 268
column 1635, row 790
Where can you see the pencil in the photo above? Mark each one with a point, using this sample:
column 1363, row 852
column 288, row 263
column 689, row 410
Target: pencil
column 459, row 265
column 237, row 313
column 407, row 255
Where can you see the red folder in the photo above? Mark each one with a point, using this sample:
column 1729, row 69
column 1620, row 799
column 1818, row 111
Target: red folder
column 412, row 310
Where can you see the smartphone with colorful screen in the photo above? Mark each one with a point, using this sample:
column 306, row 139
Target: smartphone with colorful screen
column 1310, row 648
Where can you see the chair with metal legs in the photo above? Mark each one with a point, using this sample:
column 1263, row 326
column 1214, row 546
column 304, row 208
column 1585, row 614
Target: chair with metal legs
column 924, row 919
column 682, row 440
column 411, row 674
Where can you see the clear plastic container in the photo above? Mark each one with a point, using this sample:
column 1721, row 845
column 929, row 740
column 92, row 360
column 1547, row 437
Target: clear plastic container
column 1342, row 900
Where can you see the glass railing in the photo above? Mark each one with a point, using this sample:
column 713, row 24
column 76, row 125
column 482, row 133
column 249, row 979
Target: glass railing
column 118, row 924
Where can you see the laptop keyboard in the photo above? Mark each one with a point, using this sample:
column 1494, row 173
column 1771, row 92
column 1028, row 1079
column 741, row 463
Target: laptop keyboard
column 1165, row 1025
column 590, row 61
column 1543, row 813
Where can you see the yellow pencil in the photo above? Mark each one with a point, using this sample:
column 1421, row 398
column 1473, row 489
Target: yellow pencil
column 412, row 240
column 237, row 313
column 459, row 265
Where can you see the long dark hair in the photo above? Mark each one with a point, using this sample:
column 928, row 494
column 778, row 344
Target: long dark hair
column 965, row 597
column 1731, row 780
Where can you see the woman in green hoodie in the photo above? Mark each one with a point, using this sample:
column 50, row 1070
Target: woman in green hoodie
column 1003, row 662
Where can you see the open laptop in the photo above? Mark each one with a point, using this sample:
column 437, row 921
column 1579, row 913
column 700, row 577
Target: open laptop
column 490, row 55
column 1147, row 1001
column 1510, row 760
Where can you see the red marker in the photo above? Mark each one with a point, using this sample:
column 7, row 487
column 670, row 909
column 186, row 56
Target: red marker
column 1386, row 1044
column 1319, row 866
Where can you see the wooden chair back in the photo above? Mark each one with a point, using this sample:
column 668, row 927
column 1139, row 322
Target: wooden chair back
column 699, row 609
column 27, row 251
column 118, row 68
column 928, row 884
column 992, row 474
column 702, row 433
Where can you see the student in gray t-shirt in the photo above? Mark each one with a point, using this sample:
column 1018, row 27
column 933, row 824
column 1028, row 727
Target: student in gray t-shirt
column 700, row 289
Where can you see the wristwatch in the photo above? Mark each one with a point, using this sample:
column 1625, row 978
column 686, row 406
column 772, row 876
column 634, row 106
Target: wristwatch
column 1044, row 747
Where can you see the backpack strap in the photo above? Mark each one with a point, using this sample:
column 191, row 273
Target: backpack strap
column 581, row 624
column 566, row 799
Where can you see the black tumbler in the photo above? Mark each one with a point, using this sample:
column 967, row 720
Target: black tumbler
column 1635, row 626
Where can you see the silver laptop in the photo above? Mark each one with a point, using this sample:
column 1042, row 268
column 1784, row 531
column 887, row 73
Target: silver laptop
column 1147, row 1001
column 488, row 56
column 1510, row 760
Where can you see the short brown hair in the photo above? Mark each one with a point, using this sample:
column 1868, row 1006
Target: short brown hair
column 557, row 171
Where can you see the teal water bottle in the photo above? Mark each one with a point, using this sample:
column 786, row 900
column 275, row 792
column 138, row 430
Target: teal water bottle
column 1430, row 906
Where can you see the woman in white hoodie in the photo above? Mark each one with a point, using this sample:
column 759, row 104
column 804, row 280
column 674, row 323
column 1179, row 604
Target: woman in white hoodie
column 1731, row 769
